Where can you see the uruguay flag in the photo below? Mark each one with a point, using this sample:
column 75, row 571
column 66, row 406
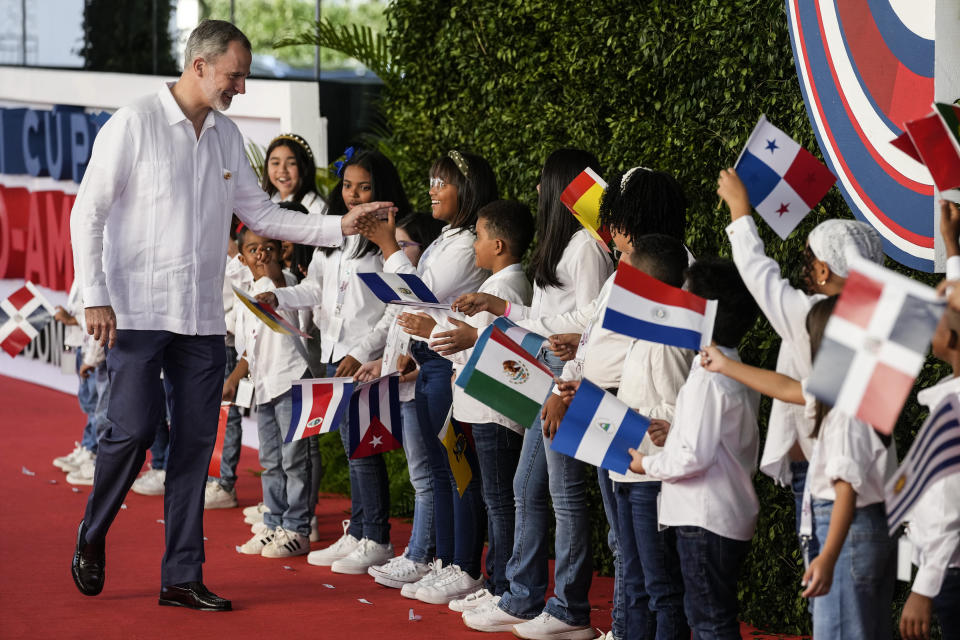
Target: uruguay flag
column 398, row 288
column 643, row 307
column 530, row 342
column 599, row 429
column 318, row 406
column 374, row 422
column 23, row 316
column 784, row 180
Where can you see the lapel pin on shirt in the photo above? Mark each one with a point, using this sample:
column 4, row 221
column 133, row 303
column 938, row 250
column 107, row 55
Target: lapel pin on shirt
column 227, row 175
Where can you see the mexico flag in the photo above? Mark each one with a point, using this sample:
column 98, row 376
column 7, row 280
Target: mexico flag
column 582, row 197
column 874, row 344
column 318, row 406
column 505, row 377
column 374, row 422
column 22, row 317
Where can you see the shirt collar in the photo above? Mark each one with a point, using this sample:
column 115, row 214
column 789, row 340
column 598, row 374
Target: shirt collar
column 932, row 396
column 172, row 111
column 506, row 270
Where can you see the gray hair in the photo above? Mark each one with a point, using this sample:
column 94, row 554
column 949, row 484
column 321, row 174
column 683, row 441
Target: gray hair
column 210, row 40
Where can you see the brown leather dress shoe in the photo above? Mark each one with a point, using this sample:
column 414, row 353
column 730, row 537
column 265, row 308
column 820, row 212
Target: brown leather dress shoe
column 89, row 562
column 192, row 595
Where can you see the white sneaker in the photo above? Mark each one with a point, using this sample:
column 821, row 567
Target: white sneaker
column 285, row 544
column 456, row 584
column 339, row 549
column 490, row 618
column 216, row 497
column 83, row 475
column 546, row 627
column 398, row 572
column 255, row 545
column 150, row 483
column 366, row 554
column 66, row 462
column 472, row 601
column 314, row 530
column 256, row 510
column 436, row 570
column 259, row 528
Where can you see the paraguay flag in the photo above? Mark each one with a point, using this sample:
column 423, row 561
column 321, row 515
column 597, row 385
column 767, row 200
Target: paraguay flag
column 22, row 317
column 318, row 406
column 505, row 377
column 784, row 180
column 582, row 197
column 599, row 429
column 399, row 288
column 874, row 344
column 374, row 422
column 643, row 307
column 528, row 340
column 935, row 454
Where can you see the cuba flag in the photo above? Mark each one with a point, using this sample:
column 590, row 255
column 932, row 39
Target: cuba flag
column 399, row 288
column 784, row 180
column 645, row 308
column 599, row 429
column 374, row 422
column 318, row 406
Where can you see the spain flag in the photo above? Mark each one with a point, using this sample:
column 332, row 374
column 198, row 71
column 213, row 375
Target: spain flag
column 582, row 197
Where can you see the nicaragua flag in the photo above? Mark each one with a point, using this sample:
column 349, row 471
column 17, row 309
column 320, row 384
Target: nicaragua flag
column 784, row 180
column 505, row 377
column 318, row 406
column 935, row 454
column 582, row 197
column 528, row 340
column 398, row 288
column 643, row 307
column 599, row 429
column 23, row 315
column 874, row 344
column 374, row 422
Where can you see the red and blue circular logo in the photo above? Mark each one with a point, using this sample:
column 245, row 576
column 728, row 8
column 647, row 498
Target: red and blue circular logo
column 866, row 67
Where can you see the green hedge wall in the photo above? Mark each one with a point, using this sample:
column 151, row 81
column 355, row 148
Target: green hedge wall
column 676, row 86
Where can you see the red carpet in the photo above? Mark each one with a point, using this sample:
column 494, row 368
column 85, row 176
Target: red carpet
column 275, row 598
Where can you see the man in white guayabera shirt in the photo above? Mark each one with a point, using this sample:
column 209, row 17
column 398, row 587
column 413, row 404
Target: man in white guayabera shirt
column 149, row 229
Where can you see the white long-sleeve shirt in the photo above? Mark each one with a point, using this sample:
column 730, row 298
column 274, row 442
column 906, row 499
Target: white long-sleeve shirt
column 149, row 226
column 786, row 309
column 710, row 456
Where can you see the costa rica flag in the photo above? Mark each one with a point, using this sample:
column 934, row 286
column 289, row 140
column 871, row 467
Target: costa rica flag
column 318, row 406
column 23, row 316
column 374, row 418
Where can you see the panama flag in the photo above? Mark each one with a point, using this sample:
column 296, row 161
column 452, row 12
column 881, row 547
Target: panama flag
column 582, row 197
column 874, row 344
column 528, row 340
column 374, row 422
column 935, row 454
column 934, row 140
column 643, row 307
column 457, row 439
column 784, row 180
column 400, row 288
column 599, row 429
column 318, row 406
column 22, row 317
column 505, row 377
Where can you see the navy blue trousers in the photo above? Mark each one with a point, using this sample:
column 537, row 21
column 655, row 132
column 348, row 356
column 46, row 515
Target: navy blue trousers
column 193, row 365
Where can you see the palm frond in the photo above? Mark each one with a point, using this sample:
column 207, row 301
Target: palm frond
column 255, row 157
column 359, row 42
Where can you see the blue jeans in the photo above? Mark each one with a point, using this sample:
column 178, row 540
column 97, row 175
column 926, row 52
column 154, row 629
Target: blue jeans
column 421, row 546
column 711, row 565
column 87, row 397
column 233, row 435
column 498, row 453
column 651, row 566
column 286, row 468
column 946, row 606
column 617, row 613
column 542, row 469
column 161, row 440
column 858, row 604
column 458, row 519
column 798, row 470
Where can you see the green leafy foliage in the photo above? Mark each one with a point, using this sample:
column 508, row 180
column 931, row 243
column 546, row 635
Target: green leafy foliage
column 358, row 42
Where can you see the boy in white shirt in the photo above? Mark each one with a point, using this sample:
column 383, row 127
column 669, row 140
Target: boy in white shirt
column 273, row 362
column 708, row 462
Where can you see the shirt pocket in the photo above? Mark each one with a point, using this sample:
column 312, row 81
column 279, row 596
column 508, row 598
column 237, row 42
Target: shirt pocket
column 172, row 293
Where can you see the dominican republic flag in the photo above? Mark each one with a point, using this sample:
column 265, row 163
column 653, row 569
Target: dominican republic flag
column 599, row 428
column 784, row 180
column 400, row 288
column 318, row 406
column 582, row 197
column 457, row 439
column 935, row 454
column 528, row 340
column 505, row 377
column 643, row 307
column 374, row 422
column 22, row 317
column 934, row 140
column 874, row 344
column 268, row 315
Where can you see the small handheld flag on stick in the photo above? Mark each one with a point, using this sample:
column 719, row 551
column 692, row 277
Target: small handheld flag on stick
column 270, row 316
column 374, row 421
column 582, row 197
column 23, row 315
column 457, row 439
column 318, row 406
column 784, row 180
column 935, row 454
column 400, row 288
column 874, row 344
column 213, row 470
column 528, row 340
column 599, row 429
column 643, row 307
column 934, row 140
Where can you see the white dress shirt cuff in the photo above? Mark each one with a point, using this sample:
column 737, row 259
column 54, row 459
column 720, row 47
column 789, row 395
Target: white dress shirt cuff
column 745, row 226
column 96, row 296
column 928, row 581
column 396, row 262
column 953, row 268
